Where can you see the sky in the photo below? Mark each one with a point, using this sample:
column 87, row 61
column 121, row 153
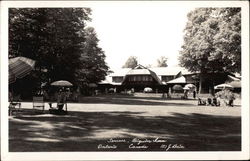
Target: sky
column 143, row 30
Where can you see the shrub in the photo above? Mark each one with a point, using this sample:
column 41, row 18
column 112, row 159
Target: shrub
column 225, row 94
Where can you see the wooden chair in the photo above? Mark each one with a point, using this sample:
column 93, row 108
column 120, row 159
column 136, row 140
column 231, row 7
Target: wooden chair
column 38, row 103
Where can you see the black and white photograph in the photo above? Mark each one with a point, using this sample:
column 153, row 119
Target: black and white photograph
column 94, row 77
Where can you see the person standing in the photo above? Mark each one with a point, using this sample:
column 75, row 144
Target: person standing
column 194, row 94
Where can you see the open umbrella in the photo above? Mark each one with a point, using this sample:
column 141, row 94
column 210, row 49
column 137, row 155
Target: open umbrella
column 235, row 84
column 223, row 86
column 177, row 88
column 62, row 83
column 186, row 88
column 148, row 90
column 19, row 67
column 190, row 86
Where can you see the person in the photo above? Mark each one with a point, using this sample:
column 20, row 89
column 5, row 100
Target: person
column 61, row 98
column 201, row 102
column 209, row 101
column 68, row 93
column 215, row 102
column 194, row 94
column 231, row 100
column 185, row 94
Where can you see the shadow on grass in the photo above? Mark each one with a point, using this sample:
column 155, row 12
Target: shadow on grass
column 84, row 131
column 131, row 100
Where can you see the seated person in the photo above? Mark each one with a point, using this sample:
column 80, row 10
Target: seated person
column 61, row 100
column 209, row 101
column 215, row 102
column 231, row 100
column 201, row 102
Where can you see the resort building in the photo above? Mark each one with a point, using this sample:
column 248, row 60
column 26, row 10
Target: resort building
column 160, row 79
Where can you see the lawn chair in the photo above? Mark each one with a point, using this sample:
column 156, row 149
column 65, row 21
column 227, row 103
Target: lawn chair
column 38, row 103
column 15, row 105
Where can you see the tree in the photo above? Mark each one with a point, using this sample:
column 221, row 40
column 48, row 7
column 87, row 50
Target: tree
column 93, row 66
column 56, row 38
column 162, row 62
column 212, row 41
column 131, row 62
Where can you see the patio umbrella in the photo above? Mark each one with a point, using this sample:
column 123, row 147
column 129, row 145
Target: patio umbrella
column 177, row 88
column 148, row 89
column 190, row 86
column 235, row 84
column 223, row 86
column 19, row 67
column 62, row 83
column 186, row 88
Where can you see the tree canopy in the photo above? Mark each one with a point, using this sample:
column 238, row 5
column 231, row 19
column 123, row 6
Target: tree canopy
column 60, row 42
column 162, row 61
column 212, row 41
column 132, row 62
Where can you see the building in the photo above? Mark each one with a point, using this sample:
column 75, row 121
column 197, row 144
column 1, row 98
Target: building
column 160, row 79
column 141, row 77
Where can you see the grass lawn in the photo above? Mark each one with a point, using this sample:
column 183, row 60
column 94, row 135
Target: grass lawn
column 118, row 123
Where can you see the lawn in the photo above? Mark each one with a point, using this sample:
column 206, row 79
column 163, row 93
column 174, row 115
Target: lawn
column 143, row 122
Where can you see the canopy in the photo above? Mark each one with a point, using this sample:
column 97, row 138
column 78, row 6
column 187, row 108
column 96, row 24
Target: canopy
column 181, row 79
column 223, row 86
column 19, row 67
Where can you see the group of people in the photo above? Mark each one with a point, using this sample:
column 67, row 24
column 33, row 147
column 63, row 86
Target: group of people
column 210, row 101
column 59, row 97
column 186, row 94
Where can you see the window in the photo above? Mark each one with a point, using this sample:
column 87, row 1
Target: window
column 139, row 78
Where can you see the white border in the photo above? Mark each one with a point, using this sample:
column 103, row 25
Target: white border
column 244, row 154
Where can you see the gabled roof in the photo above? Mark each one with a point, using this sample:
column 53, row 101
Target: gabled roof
column 138, row 72
column 120, row 73
column 169, row 71
column 141, row 70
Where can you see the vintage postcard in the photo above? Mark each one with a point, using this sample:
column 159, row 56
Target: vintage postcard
column 124, row 80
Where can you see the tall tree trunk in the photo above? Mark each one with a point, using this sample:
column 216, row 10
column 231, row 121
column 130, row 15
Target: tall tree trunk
column 201, row 90
column 200, row 83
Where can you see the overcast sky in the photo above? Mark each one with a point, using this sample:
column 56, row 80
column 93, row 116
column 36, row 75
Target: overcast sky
column 143, row 30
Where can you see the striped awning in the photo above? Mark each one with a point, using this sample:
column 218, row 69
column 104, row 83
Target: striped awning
column 19, row 67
